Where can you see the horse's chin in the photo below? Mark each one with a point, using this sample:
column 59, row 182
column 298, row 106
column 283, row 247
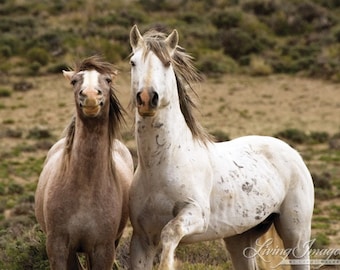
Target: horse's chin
column 149, row 113
column 91, row 111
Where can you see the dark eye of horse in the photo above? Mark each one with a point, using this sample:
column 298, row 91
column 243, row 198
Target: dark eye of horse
column 132, row 63
column 108, row 80
column 73, row 82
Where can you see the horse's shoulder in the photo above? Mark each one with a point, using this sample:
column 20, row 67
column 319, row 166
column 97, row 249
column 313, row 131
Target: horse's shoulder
column 55, row 149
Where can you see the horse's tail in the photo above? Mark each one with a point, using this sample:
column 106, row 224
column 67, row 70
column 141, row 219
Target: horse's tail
column 271, row 251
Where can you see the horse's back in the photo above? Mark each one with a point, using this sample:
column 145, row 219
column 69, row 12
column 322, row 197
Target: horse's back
column 254, row 149
column 265, row 155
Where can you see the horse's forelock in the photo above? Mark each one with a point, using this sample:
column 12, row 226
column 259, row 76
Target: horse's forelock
column 155, row 42
column 96, row 63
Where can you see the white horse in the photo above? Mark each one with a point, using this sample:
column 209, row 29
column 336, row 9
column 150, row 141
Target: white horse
column 187, row 188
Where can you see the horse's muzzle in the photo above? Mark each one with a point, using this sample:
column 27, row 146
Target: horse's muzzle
column 147, row 102
column 91, row 102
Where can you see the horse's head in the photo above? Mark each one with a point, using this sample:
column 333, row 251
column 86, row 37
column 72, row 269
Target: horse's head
column 92, row 91
column 152, row 76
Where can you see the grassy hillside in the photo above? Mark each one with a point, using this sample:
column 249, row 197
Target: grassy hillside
column 258, row 37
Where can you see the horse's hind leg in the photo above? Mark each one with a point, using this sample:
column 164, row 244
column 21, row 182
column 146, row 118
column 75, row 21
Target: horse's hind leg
column 241, row 248
column 294, row 228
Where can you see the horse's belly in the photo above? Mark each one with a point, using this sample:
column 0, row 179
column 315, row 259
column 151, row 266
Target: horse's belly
column 231, row 215
column 223, row 225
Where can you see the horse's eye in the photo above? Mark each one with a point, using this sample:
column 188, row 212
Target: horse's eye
column 132, row 63
column 108, row 80
column 73, row 82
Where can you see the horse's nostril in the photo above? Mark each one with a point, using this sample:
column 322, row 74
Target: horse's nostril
column 154, row 100
column 139, row 99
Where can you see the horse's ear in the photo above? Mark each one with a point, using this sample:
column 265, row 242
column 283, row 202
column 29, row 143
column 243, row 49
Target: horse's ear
column 68, row 74
column 172, row 40
column 135, row 37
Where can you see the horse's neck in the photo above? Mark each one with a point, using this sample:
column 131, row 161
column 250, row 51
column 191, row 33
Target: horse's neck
column 90, row 152
column 159, row 135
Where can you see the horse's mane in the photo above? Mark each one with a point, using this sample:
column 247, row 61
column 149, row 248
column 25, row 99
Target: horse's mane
column 116, row 110
column 185, row 74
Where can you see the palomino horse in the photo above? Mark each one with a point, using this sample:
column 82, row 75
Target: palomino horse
column 82, row 194
column 187, row 188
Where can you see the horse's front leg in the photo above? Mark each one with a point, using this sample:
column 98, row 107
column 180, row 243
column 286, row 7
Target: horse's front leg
column 190, row 220
column 58, row 253
column 142, row 252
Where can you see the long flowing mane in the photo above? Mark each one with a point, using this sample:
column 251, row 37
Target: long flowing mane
column 116, row 109
column 186, row 74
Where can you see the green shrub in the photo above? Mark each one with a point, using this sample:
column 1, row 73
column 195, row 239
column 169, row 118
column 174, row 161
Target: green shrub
column 2, row 192
column 13, row 133
column 39, row 133
column 220, row 136
column 34, row 68
column 320, row 241
column 260, row 7
column 237, row 43
column 4, row 92
column 57, row 67
column 190, row 17
column 322, row 181
column 8, row 121
column 215, row 63
column 22, row 86
column 331, row 4
column 282, row 24
column 6, row 51
column 38, row 55
column 225, row 19
column 50, row 41
column 14, row 188
column 319, row 137
column 25, row 251
column 292, row 135
column 259, row 66
column 334, row 141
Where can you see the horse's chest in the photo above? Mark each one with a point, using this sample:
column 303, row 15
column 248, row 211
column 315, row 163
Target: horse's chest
column 83, row 208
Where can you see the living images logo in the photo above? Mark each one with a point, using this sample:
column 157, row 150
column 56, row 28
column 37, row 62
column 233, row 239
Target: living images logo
column 276, row 256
